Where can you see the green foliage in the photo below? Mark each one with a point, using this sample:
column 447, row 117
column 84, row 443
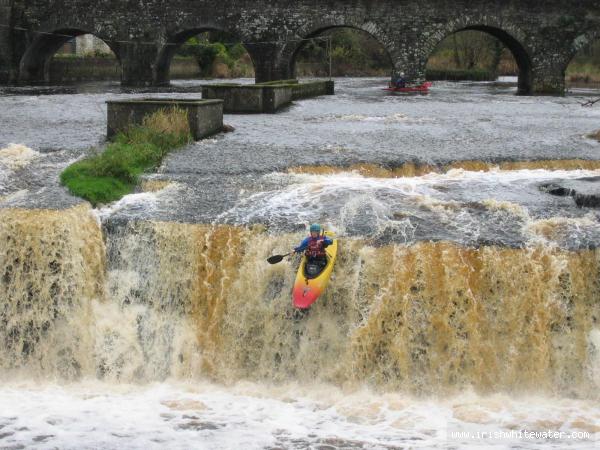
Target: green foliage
column 585, row 66
column 469, row 51
column 353, row 52
column 207, row 50
column 204, row 52
column 588, row 58
column 237, row 51
column 110, row 175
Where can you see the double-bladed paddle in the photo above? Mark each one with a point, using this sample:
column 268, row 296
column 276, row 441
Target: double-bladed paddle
column 277, row 258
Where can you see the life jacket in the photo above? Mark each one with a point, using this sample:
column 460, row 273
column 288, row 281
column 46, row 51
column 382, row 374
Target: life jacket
column 315, row 248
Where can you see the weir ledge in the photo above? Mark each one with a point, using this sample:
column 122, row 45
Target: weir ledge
column 205, row 116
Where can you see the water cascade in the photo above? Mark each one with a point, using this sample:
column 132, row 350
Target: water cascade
column 145, row 301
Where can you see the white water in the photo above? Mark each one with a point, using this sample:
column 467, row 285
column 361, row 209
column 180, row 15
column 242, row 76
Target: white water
column 467, row 204
column 17, row 156
column 250, row 416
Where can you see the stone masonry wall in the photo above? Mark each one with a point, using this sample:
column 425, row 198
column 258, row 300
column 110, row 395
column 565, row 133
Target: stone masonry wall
column 543, row 35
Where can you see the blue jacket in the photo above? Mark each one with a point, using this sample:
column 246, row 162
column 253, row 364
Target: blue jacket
column 327, row 241
column 400, row 82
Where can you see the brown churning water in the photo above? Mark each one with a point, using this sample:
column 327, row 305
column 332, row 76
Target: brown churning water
column 153, row 300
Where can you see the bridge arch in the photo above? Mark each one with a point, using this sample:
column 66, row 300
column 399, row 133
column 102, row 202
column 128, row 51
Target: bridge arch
column 505, row 36
column 292, row 48
column 35, row 63
column 177, row 40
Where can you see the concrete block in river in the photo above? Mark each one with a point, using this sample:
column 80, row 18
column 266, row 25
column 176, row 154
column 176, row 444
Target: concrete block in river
column 264, row 97
column 205, row 116
column 249, row 98
column 312, row 89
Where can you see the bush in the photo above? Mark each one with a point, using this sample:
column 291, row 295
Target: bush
column 237, row 51
column 110, row 175
column 212, row 57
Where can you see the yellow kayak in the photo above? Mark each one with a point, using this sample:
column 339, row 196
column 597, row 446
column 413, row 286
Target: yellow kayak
column 307, row 288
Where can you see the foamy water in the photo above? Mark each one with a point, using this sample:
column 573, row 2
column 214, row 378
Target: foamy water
column 467, row 204
column 387, row 119
column 254, row 416
column 17, row 156
column 12, row 158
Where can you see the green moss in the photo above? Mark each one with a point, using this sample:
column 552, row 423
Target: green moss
column 217, row 85
column 278, row 82
column 234, row 85
column 110, row 175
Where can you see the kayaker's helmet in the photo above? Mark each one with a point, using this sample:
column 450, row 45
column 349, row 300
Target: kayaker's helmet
column 401, row 74
column 315, row 227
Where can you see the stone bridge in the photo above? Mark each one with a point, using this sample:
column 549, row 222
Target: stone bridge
column 145, row 34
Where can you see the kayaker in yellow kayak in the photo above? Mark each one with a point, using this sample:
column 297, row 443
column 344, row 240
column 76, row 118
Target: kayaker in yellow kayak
column 314, row 248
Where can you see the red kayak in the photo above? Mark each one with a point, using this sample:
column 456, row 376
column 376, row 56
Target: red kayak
column 420, row 88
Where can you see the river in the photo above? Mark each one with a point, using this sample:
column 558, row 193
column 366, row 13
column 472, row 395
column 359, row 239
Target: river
column 463, row 310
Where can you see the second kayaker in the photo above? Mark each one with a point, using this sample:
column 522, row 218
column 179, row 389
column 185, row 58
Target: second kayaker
column 399, row 80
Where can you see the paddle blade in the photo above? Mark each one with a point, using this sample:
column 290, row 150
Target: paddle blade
column 275, row 259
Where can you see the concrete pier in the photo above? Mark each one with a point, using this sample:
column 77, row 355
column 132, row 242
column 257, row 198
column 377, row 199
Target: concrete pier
column 312, row 89
column 205, row 116
column 264, row 97
column 252, row 98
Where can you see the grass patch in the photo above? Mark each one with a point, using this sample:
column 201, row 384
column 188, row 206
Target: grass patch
column 226, row 85
column 108, row 176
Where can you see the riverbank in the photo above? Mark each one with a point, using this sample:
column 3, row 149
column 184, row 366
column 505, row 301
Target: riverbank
column 582, row 73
